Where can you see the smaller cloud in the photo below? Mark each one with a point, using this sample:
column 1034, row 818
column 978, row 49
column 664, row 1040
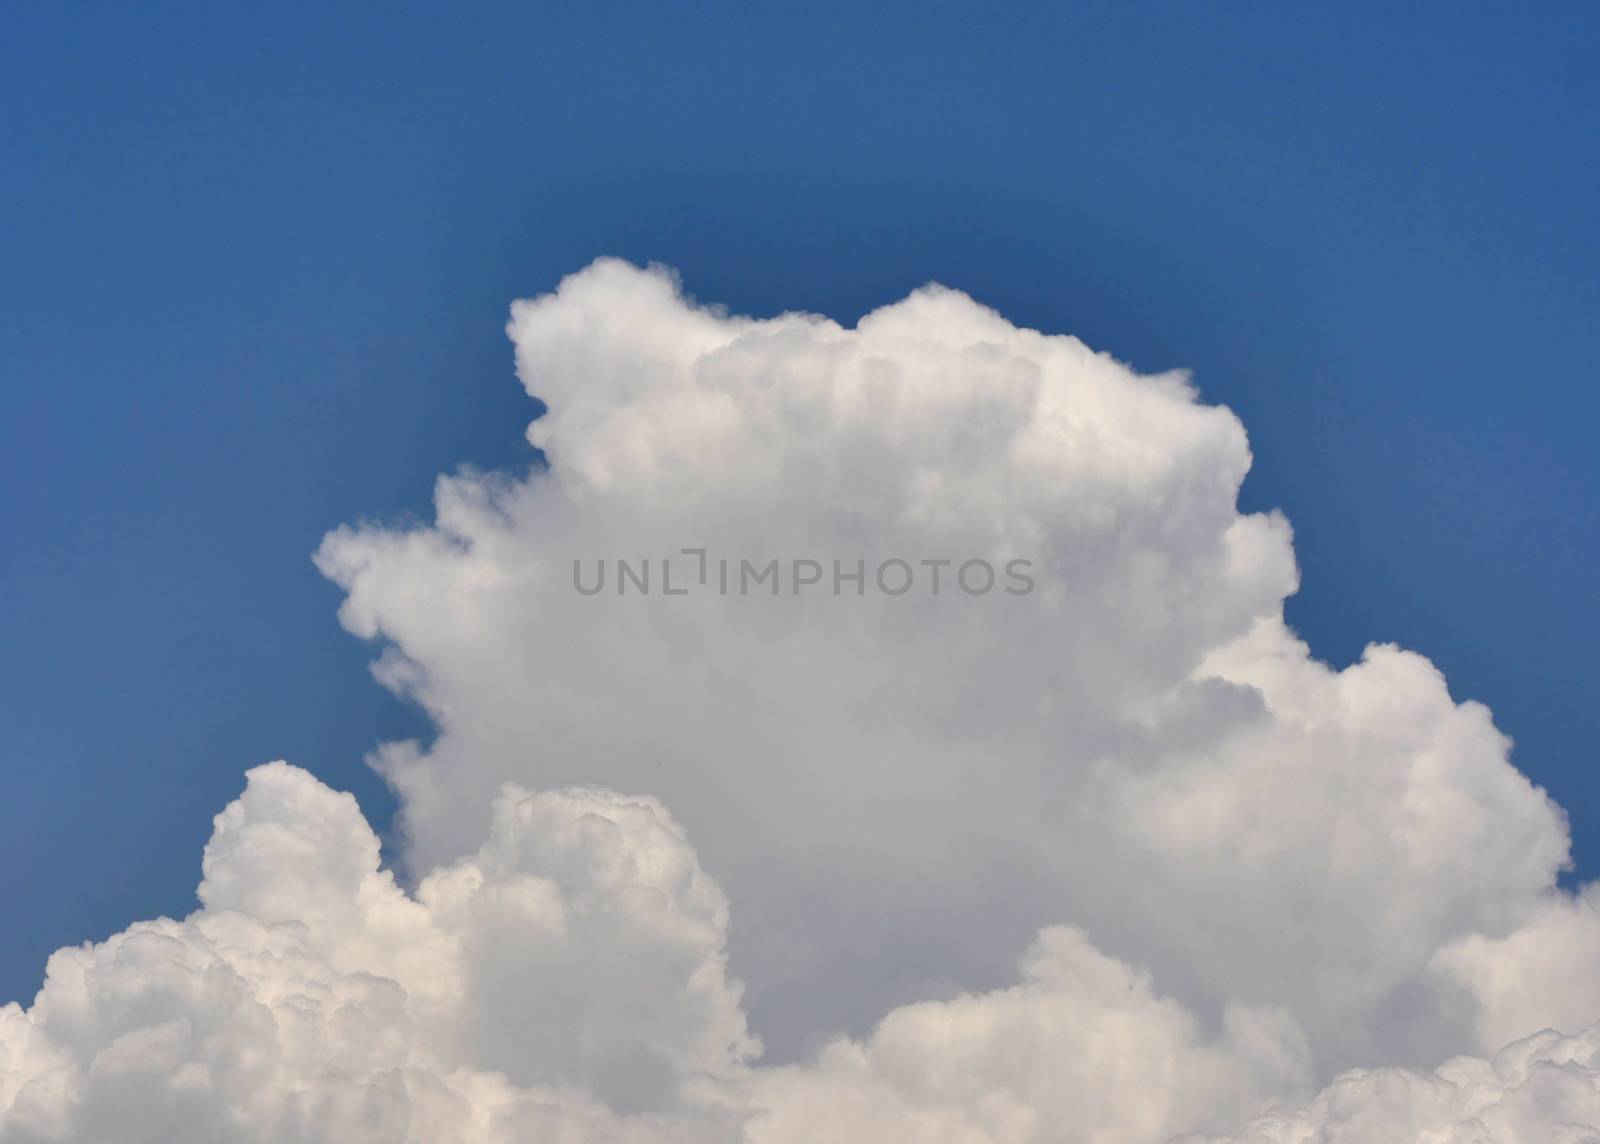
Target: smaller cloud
column 1545, row 1088
column 566, row 982
column 1081, row 1049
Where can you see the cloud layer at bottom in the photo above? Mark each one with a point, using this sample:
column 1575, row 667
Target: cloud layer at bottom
column 569, row 982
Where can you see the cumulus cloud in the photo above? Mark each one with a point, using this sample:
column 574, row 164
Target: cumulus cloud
column 1236, row 871
column 900, row 792
column 1545, row 1087
column 1081, row 1049
column 1540, row 976
column 568, row 982
column 565, row 982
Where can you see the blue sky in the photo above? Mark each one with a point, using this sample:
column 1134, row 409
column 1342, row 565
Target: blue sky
column 256, row 272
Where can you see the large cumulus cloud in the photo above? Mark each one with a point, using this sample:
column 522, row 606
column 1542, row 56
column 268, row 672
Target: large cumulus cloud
column 899, row 792
column 1231, row 872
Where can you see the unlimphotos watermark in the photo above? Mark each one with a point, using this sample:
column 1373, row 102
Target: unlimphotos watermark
column 695, row 570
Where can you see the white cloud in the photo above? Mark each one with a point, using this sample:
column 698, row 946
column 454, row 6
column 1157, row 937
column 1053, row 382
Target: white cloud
column 570, row 976
column 567, row 982
column 1545, row 1087
column 899, row 792
column 1312, row 870
column 1543, row 975
column 1082, row 1049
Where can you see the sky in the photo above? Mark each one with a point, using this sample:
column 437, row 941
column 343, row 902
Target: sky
column 257, row 272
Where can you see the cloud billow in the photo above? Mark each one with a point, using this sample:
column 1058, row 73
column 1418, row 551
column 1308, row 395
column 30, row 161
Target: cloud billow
column 1115, row 859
